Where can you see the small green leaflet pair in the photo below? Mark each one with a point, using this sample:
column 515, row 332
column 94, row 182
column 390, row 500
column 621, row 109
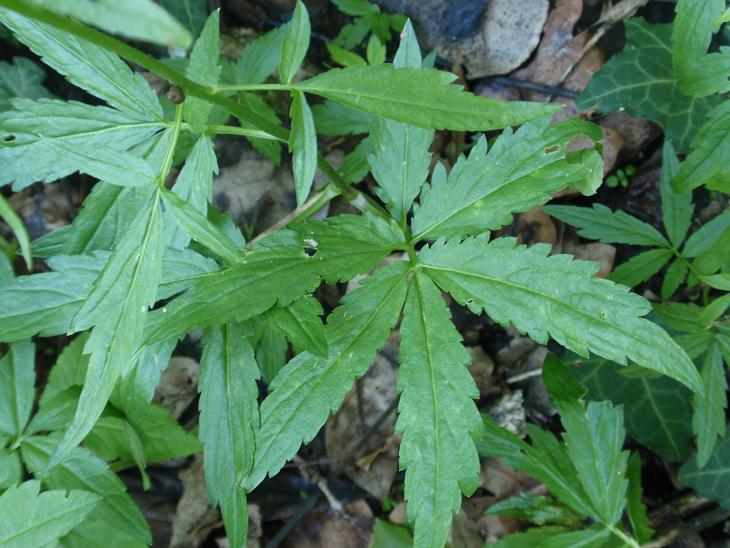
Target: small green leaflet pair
column 666, row 74
column 696, row 259
column 588, row 474
column 81, row 496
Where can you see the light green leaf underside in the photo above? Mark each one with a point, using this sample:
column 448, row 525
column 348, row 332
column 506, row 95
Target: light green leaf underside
column 522, row 169
column 641, row 80
column 556, row 296
column 437, row 414
column 310, row 387
column 31, row 518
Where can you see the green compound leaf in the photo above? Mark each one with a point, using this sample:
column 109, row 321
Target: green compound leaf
column 657, row 411
column 641, row 80
column 437, row 415
column 17, row 390
column 556, row 296
column 711, row 480
column 90, row 67
column 295, row 43
column 228, row 419
column 612, row 227
column 137, row 19
column 707, row 162
column 32, row 518
column 423, row 98
column 309, row 387
column 83, row 470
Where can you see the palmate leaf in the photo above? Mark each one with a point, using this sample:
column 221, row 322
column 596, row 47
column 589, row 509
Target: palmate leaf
column 437, row 414
column 707, row 162
column 90, row 67
column 83, row 470
column 641, row 80
column 711, row 480
column 203, row 68
column 423, row 98
column 521, row 170
column 600, row 223
column 21, row 78
column 33, row 135
column 708, row 421
column 127, row 284
column 310, row 387
column 32, row 518
column 278, row 271
column 17, row 391
column 657, row 411
column 558, row 297
column 137, row 19
column 228, row 419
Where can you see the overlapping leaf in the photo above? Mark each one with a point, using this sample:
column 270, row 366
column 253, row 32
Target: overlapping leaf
column 21, row 78
column 17, row 392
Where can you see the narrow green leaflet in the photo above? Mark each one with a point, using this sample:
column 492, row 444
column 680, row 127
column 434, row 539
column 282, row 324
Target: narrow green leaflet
column 554, row 537
column 641, row 80
column 711, row 480
column 331, row 118
column 437, row 415
column 423, row 98
column 706, row 164
column 21, row 78
column 556, row 296
column 31, row 518
column 707, row 237
column 657, row 411
column 635, row 507
column 536, row 509
column 310, row 387
column 708, row 421
column 90, row 67
column 137, row 19
column 200, row 228
column 303, row 145
column 203, row 68
column 194, row 184
column 228, row 419
column 673, row 278
column 83, row 470
column 641, row 267
column 521, row 170
column 600, row 223
column 32, row 136
column 258, row 60
column 15, row 223
column 17, row 390
column 301, row 323
column 295, row 44
column 127, row 284
column 677, row 207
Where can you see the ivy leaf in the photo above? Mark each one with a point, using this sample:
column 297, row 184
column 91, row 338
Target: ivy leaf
column 194, row 185
column 303, row 145
column 600, row 223
column 32, row 136
column 228, row 419
column 437, row 415
column 641, row 267
column 641, row 80
column 90, row 67
column 17, row 390
column 657, row 411
column 21, row 78
column 128, row 285
column 677, row 207
column 521, row 170
column 83, row 470
column 423, row 98
column 137, row 19
column 309, row 387
column 708, row 421
column 707, row 161
column 301, row 323
column 558, row 297
column 295, row 44
column 203, row 68
column 711, row 480
column 40, row 519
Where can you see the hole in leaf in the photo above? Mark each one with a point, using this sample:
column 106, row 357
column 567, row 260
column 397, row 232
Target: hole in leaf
column 552, row 149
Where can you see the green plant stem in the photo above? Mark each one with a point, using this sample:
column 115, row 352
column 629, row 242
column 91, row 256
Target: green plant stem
column 170, row 152
column 232, row 88
column 628, row 541
column 236, row 130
